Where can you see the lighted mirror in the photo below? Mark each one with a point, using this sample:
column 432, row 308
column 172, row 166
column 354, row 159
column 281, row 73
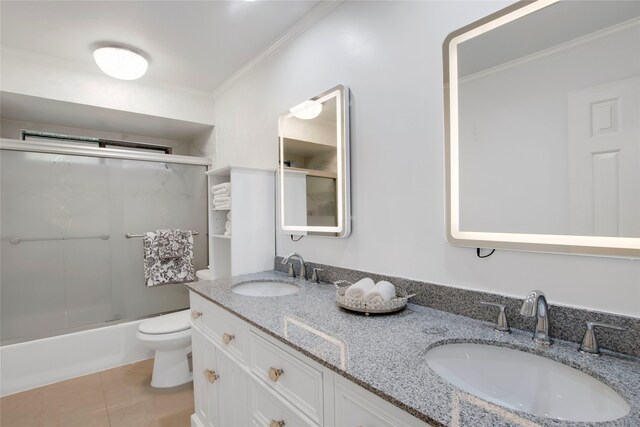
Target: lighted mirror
column 543, row 129
column 314, row 166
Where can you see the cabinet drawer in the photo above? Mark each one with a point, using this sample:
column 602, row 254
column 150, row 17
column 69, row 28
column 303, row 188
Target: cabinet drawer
column 295, row 380
column 355, row 406
column 266, row 407
column 229, row 332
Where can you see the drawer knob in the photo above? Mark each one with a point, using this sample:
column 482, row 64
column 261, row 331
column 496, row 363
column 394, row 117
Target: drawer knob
column 227, row 338
column 275, row 423
column 195, row 314
column 210, row 375
column 274, row 374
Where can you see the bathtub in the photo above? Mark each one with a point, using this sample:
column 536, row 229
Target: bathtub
column 32, row 364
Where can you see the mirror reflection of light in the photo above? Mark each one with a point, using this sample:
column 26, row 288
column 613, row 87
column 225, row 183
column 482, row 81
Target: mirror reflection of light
column 307, row 110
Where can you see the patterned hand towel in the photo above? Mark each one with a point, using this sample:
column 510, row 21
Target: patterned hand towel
column 171, row 243
column 162, row 271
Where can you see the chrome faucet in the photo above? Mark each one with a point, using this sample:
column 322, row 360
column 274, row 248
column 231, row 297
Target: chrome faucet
column 590, row 342
column 303, row 267
column 535, row 305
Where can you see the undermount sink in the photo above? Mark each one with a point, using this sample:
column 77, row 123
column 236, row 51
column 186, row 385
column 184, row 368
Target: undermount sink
column 265, row 288
column 525, row 382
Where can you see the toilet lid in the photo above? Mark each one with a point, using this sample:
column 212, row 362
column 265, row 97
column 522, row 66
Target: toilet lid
column 166, row 324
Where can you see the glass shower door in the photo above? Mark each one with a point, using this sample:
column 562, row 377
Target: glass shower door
column 65, row 263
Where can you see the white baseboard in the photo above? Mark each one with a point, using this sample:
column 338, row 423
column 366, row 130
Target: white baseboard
column 195, row 421
column 32, row 364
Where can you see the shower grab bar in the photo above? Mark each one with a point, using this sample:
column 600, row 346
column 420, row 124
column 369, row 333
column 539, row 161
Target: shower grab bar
column 16, row 239
column 129, row 235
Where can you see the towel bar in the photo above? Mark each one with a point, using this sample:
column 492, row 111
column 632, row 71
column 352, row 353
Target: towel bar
column 15, row 240
column 129, row 235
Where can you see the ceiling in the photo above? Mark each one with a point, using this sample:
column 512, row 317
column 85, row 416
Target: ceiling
column 546, row 28
column 195, row 44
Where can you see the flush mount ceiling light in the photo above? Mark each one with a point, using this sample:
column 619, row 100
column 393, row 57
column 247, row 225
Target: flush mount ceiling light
column 307, row 110
column 121, row 63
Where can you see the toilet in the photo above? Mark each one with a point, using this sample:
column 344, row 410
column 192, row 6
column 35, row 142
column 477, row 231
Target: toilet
column 170, row 336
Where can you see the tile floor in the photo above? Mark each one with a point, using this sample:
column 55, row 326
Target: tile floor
column 118, row 397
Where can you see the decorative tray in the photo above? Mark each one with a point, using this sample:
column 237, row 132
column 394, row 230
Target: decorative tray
column 362, row 306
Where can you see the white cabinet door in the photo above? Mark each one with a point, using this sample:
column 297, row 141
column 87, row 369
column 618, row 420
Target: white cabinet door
column 205, row 381
column 232, row 393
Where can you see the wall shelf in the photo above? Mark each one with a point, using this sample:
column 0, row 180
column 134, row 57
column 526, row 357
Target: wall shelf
column 251, row 246
column 313, row 172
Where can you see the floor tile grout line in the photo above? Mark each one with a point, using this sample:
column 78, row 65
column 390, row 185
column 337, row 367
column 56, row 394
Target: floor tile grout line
column 104, row 397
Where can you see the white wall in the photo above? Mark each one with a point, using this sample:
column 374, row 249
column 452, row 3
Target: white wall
column 318, row 131
column 390, row 55
column 11, row 129
column 51, row 78
column 532, row 95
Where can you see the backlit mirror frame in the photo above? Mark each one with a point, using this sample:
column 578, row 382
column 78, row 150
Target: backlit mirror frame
column 343, row 181
column 570, row 244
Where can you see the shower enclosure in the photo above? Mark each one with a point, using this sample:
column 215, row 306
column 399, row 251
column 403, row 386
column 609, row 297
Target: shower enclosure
column 66, row 263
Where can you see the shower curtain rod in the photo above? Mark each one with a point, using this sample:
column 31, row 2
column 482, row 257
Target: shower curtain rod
column 113, row 153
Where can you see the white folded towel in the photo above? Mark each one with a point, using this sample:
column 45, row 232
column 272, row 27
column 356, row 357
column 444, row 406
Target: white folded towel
column 227, row 226
column 220, row 193
column 217, row 199
column 218, row 190
column 359, row 289
column 222, row 207
column 224, row 185
column 383, row 291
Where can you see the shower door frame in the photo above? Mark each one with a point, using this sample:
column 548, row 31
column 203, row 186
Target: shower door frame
column 113, row 153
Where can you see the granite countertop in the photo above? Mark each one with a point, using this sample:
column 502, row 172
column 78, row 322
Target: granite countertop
column 385, row 354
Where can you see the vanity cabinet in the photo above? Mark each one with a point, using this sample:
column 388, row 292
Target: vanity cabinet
column 219, row 383
column 244, row 377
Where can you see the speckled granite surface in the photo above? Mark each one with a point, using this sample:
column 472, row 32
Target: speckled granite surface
column 385, row 354
column 567, row 323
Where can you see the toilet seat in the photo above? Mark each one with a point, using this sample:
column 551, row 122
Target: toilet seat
column 166, row 324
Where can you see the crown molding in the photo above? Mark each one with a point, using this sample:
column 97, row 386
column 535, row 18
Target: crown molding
column 605, row 32
column 311, row 18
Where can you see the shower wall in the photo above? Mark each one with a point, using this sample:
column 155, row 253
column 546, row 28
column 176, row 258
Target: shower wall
column 95, row 275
